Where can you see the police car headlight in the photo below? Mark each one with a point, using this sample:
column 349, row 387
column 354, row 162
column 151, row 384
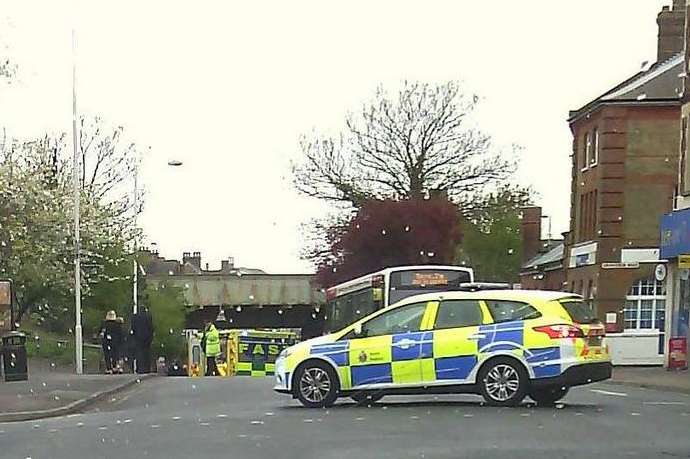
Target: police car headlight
column 285, row 353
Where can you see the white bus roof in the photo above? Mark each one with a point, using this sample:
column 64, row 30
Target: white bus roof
column 364, row 281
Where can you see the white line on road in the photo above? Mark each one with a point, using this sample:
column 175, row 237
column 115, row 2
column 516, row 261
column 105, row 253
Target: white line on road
column 665, row 403
column 606, row 392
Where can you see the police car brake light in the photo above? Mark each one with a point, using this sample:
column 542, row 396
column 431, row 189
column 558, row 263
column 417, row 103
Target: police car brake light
column 561, row 331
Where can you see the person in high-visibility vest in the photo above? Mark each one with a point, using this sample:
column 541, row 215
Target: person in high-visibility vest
column 210, row 343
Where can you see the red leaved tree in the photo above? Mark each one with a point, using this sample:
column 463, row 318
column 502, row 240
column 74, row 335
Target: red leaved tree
column 389, row 233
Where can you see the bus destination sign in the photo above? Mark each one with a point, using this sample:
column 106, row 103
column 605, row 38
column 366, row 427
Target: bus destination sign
column 429, row 278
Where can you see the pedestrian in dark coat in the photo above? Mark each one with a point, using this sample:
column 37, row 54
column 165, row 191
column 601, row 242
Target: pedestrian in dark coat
column 142, row 333
column 111, row 341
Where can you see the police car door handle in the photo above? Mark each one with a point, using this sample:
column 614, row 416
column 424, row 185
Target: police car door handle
column 476, row 336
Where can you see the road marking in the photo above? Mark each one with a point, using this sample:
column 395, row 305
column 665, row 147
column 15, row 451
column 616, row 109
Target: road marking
column 634, row 414
column 222, row 416
column 665, row 403
column 258, row 423
column 155, row 426
column 176, row 418
column 606, row 392
column 204, row 423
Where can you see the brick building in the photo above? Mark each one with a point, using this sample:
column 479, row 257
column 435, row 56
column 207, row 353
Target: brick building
column 542, row 259
column 675, row 226
column 624, row 168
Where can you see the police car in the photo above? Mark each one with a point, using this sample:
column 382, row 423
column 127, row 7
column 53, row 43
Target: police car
column 501, row 344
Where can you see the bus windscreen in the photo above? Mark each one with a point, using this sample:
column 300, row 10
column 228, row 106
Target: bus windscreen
column 415, row 282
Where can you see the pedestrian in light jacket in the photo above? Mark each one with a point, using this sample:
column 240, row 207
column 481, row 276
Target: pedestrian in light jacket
column 210, row 343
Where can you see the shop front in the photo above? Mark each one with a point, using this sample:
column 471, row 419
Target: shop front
column 675, row 247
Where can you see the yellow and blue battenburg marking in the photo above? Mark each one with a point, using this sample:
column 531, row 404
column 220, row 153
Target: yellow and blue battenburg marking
column 431, row 356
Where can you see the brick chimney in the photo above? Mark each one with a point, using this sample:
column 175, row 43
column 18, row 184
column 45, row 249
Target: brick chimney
column 227, row 265
column 530, row 230
column 671, row 21
column 193, row 259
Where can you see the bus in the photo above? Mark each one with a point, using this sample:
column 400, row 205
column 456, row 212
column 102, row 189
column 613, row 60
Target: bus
column 354, row 299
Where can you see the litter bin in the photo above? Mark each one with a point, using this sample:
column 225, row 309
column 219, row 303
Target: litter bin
column 14, row 357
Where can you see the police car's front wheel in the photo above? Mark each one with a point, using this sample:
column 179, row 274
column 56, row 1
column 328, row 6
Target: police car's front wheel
column 503, row 382
column 317, row 385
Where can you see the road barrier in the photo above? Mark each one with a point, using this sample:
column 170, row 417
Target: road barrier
column 243, row 352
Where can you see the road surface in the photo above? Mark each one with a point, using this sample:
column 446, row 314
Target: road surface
column 242, row 418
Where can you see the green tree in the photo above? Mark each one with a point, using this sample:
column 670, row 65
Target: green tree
column 36, row 233
column 491, row 243
column 168, row 308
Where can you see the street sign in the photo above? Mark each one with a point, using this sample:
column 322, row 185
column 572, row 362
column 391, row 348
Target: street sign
column 630, row 265
column 660, row 272
column 684, row 261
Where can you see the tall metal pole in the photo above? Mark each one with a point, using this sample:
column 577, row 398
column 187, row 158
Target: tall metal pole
column 135, row 277
column 77, row 242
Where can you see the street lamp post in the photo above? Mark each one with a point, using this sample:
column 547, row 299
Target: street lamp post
column 135, row 277
column 135, row 263
column 78, row 340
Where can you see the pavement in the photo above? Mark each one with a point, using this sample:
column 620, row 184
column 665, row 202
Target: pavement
column 54, row 391
column 243, row 418
column 653, row 378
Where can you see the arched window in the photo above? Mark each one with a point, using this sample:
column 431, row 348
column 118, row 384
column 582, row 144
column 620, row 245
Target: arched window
column 645, row 305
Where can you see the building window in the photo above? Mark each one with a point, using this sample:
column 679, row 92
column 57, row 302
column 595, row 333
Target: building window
column 594, row 158
column 595, row 195
column 581, row 220
column 586, row 151
column 645, row 305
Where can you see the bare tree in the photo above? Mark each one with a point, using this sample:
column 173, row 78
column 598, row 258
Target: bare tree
column 108, row 163
column 419, row 143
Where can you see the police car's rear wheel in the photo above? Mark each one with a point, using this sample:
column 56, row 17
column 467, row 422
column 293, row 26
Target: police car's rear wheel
column 549, row 395
column 503, row 382
column 366, row 398
column 317, row 385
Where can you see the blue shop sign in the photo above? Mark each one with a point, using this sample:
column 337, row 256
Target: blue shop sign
column 675, row 234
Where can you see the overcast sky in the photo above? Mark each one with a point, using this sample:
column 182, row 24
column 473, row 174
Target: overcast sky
column 228, row 87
